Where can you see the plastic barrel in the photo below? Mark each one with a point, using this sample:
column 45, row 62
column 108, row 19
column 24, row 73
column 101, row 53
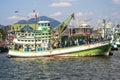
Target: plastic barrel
column 26, row 49
column 39, row 49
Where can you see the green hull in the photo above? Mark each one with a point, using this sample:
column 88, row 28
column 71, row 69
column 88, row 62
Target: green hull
column 67, row 52
column 102, row 50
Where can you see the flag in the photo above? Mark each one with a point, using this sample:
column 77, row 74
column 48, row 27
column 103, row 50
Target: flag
column 107, row 24
column 34, row 11
column 16, row 11
column 99, row 24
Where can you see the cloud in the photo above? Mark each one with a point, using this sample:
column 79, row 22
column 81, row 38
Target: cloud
column 56, row 14
column 81, row 14
column 21, row 17
column 16, row 18
column 89, row 13
column 114, row 14
column 60, row 4
column 32, row 14
column 68, row 0
column 13, row 17
column 116, row 1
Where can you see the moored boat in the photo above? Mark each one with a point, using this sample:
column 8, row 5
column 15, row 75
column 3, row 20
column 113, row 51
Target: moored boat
column 118, row 42
column 97, row 49
column 3, row 47
column 41, row 42
column 117, row 35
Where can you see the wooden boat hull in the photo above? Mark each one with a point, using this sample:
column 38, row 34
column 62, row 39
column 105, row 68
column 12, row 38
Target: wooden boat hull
column 85, row 50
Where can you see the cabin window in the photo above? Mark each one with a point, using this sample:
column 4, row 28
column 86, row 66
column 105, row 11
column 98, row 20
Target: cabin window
column 45, row 24
column 46, row 40
column 42, row 41
column 39, row 45
column 48, row 24
column 42, row 24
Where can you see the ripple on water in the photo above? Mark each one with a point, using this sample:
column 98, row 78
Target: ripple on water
column 80, row 68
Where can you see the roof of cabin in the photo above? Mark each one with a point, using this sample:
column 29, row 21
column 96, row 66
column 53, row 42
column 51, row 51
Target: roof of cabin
column 27, row 28
column 19, row 26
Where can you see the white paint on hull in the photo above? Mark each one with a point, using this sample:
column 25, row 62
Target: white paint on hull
column 55, row 52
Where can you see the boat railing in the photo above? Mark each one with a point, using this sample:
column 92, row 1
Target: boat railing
column 49, row 48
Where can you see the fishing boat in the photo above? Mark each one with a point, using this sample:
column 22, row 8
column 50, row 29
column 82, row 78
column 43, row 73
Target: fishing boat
column 118, row 42
column 42, row 41
column 97, row 49
column 117, row 35
column 3, row 46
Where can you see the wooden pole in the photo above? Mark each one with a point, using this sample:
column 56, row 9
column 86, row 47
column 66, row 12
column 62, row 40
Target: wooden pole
column 104, row 24
column 35, row 31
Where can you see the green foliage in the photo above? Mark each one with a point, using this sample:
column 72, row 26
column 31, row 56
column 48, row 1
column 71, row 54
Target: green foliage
column 96, row 51
column 3, row 34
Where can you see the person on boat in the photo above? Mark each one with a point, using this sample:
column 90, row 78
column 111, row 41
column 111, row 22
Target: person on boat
column 65, row 43
column 26, row 48
column 70, row 42
column 16, row 47
column 77, row 42
column 84, row 41
column 80, row 41
column 59, row 44
column 62, row 44
column 55, row 45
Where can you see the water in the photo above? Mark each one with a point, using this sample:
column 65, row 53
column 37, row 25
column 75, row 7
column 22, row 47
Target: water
column 81, row 68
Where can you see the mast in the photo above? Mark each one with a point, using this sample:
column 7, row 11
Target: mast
column 35, row 29
column 104, row 27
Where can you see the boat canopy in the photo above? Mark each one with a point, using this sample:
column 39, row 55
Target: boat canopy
column 27, row 28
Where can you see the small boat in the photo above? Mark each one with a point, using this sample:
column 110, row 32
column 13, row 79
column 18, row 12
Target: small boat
column 118, row 42
column 114, row 46
column 117, row 35
column 3, row 47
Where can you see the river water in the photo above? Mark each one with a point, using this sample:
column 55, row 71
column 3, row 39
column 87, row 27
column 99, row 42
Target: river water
column 79, row 68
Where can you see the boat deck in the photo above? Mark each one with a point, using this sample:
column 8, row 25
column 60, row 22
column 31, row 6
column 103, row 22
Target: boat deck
column 53, row 52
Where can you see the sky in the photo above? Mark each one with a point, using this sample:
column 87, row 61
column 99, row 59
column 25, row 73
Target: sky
column 93, row 11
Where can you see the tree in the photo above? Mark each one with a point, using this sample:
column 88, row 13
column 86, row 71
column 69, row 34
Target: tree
column 3, row 34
